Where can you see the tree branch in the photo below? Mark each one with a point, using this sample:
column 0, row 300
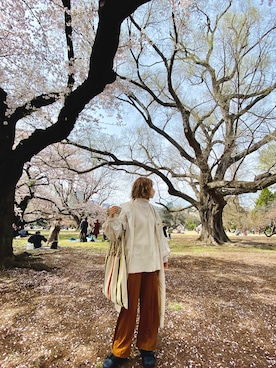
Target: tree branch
column 111, row 15
column 69, row 42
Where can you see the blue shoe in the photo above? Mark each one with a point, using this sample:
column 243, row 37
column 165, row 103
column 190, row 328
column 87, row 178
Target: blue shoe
column 111, row 361
column 148, row 358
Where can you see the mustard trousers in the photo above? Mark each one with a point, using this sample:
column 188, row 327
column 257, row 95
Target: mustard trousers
column 144, row 287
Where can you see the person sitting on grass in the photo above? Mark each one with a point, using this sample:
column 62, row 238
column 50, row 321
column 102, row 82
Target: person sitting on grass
column 36, row 239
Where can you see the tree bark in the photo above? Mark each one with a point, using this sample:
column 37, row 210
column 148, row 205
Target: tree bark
column 210, row 212
column 6, row 220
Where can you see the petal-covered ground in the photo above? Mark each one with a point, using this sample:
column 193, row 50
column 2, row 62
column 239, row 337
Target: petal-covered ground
column 221, row 310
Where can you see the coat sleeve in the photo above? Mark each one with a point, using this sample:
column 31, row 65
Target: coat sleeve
column 113, row 227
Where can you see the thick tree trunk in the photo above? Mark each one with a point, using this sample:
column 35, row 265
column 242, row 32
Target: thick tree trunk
column 6, row 220
column 211, row 211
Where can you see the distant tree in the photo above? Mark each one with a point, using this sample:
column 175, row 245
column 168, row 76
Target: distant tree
column 266, row 198
column 267, row 158
column 264, row 213
column 27, row 188
column 174, row 216
column 236, row 217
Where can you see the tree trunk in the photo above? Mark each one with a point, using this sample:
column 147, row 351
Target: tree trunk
column 6, row 220
column 210, row 212
column 111, row 14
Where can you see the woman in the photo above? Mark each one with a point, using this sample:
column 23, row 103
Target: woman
column 96, row 230
column 147, row 255
column 54, row 233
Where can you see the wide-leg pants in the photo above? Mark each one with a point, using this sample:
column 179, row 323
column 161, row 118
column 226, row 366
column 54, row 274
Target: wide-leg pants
column 144, row 287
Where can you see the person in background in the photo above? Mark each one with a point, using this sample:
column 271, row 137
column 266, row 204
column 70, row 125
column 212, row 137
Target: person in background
column 36, row 239
column 23, row 233
column 165, row 230
column 54, row 234
column 170, row 230
column 83, row 230
column 15, row 230
column 147, row 256
column 96, row 230
column 21, row 224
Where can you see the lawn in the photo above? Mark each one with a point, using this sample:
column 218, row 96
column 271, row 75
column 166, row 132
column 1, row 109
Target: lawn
column 221, row 306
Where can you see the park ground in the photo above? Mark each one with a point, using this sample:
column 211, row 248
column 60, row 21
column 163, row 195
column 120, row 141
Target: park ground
column 220, row 312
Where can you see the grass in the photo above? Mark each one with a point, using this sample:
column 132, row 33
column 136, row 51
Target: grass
column 175, row 306
column 179, row 244
column 65, row 240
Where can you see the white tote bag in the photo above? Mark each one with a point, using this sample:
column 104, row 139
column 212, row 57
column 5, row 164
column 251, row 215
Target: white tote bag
column 115, row 273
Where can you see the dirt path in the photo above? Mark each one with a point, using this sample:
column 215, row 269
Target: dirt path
column 221, row 312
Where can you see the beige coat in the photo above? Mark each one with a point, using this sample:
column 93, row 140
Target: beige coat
column 54, row 231
column 113, row 228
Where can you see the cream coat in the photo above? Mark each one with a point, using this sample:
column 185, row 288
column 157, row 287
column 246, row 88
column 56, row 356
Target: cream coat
column 113, row 228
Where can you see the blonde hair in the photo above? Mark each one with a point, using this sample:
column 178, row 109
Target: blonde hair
column 141, row 188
